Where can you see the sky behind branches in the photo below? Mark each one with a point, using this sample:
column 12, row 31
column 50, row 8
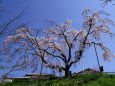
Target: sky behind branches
column 37, row 11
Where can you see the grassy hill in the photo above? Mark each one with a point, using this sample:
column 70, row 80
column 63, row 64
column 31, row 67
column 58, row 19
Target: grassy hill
column 78, row 80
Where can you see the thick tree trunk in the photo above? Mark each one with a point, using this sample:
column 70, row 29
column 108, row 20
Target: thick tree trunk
column 66, row 71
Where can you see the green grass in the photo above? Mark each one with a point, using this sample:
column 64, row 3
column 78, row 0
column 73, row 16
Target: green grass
column 78, row 80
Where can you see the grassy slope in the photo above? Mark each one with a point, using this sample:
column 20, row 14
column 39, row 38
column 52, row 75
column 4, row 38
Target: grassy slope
column 81, row 80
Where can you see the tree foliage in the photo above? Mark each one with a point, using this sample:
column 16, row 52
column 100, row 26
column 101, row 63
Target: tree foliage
column 60, row 46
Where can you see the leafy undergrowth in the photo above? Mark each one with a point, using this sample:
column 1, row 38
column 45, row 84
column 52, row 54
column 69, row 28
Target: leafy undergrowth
column 78, row 80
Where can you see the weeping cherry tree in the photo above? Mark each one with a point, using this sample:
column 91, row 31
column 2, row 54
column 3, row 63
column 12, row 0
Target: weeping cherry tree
column 60, row 46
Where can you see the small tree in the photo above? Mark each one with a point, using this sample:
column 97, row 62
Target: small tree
column 60, row 46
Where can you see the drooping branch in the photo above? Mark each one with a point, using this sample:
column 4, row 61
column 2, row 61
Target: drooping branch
column 97, row 56
column 81, row 50
column 4, row 27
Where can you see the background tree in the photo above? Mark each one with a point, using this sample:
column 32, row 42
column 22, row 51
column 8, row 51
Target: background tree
column 60, row 47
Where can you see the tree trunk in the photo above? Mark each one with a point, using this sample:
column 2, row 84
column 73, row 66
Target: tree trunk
column 66, row 71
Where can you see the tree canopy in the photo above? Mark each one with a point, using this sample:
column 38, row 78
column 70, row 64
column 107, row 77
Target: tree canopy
column 60, row 46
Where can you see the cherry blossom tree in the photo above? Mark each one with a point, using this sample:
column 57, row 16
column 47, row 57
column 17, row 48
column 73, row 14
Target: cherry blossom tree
column 60, row 46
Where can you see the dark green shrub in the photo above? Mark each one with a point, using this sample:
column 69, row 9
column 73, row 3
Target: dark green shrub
column 111, row 76
column 52, row 78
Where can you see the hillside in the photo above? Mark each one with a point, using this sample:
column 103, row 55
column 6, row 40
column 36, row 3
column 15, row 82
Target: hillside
column 78, row 80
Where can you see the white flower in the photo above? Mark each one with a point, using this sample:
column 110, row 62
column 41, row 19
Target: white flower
column 23, row 30
column 82, row 33
column 72, row 32
column 68, row 22
column 86, row 11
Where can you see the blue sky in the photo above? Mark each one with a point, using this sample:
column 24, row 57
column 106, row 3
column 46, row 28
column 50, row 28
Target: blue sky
column 37, row 11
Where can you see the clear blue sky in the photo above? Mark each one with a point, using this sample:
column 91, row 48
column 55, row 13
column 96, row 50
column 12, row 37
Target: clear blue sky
column 59, row 11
